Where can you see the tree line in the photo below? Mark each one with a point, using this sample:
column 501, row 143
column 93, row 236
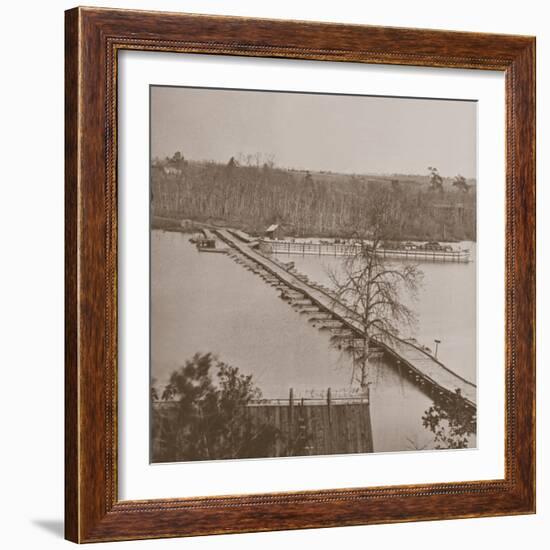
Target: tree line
column 253, row 196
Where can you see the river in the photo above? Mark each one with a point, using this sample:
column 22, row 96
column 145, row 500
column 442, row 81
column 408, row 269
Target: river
column 209, row 303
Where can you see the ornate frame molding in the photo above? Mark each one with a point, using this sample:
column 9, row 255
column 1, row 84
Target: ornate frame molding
column 93, row 38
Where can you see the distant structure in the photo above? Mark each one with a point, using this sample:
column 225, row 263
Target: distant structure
column 274, row 232
column 171, row 171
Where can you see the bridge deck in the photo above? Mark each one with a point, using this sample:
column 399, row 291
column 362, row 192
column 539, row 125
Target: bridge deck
column 242, row 235
column 413, row 356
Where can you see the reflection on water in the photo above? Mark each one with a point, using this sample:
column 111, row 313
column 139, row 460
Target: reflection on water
column 208, row 303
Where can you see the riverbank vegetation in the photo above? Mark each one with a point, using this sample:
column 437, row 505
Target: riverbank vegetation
column 201, row 414
column 250, row 194
column 204, row 415
column 453, row 423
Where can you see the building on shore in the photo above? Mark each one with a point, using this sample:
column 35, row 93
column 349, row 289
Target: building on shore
column 274, row 231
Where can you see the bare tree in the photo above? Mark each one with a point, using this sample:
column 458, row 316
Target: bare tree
column 436, row 181
column 372, row 288
column 460, row 183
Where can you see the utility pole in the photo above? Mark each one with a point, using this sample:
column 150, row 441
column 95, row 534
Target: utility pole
column 437, row 342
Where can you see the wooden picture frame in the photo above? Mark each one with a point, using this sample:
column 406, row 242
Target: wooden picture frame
column 93, row 39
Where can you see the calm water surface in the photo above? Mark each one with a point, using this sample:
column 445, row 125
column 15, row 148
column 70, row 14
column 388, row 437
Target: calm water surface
column 209, row 303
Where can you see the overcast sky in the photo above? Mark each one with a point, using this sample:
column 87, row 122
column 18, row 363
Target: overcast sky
column 341, row 133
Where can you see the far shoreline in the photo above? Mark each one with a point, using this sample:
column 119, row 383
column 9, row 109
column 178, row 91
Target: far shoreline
column 178, row 224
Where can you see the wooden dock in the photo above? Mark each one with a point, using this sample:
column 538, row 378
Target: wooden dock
column 313, row 249
column 245, row 237
column 349, row 249
column 422, row 366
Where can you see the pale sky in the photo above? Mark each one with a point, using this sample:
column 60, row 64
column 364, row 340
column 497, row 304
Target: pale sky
column 341, row 133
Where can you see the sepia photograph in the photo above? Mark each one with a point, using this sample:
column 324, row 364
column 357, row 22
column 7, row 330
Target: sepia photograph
column 312, row 274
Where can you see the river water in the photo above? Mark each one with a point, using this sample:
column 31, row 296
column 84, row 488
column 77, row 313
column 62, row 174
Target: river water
column 209, row 303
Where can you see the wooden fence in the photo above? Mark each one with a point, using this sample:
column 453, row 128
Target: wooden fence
column 317, row 426
column 350, row 249
column 307, row 426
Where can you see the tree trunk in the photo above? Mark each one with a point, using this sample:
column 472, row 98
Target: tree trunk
column 365, row 363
